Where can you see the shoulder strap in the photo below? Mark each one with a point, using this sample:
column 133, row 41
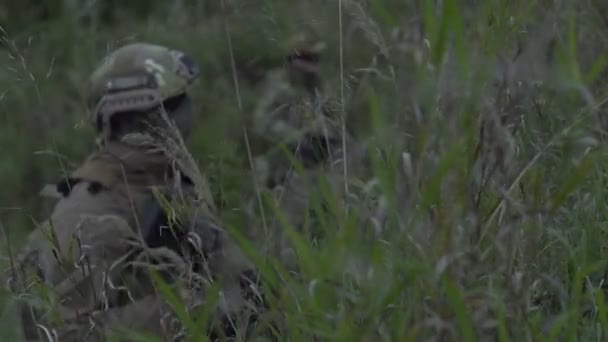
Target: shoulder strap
column 99, row 169
column 110, row 166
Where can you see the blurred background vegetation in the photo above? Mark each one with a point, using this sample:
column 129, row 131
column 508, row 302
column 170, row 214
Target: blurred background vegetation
column 492, row 111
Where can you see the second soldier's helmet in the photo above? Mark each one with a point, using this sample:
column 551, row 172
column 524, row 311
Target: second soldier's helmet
column 303, row 53
column 138, row 78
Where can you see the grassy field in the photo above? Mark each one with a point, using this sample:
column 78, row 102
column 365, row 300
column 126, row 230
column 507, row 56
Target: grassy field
column 484, row 121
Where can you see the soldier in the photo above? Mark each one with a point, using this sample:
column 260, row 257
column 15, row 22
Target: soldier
column 293, row 111
column 136, row 203
column 295, row 114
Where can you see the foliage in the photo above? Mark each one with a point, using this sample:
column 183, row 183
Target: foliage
column 485, row 124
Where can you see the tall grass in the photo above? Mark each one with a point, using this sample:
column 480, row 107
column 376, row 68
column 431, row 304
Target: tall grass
column 478, row 213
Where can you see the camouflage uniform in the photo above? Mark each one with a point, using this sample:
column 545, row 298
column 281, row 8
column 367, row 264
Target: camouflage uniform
column 136, row 203
column 294, row 113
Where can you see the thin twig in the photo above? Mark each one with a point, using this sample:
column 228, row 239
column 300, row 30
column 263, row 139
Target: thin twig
column 240, row 108
column 9, row 251
column 342, row 110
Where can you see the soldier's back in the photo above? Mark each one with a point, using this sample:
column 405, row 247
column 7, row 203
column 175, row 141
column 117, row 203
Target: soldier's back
column 82, row 249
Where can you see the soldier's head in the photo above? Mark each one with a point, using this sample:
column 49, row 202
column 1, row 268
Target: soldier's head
column 135, row 84
column 303, row 53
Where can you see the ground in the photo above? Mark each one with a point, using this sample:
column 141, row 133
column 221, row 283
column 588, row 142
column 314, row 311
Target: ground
column 485, row 122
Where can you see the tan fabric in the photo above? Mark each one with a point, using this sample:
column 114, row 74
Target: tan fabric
column 89, row 250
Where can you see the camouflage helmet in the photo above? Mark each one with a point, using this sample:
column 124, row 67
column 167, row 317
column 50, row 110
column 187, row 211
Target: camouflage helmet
column 304, row 42
column 137, row 77
column 302, row 53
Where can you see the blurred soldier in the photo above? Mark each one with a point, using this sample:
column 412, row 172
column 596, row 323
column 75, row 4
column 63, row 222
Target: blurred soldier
column 293, row 112
column 292, row 96
column 137, row 203
column 295, row 116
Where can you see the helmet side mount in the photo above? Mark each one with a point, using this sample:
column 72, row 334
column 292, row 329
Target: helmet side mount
column 115, row 103
column 125, row 83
